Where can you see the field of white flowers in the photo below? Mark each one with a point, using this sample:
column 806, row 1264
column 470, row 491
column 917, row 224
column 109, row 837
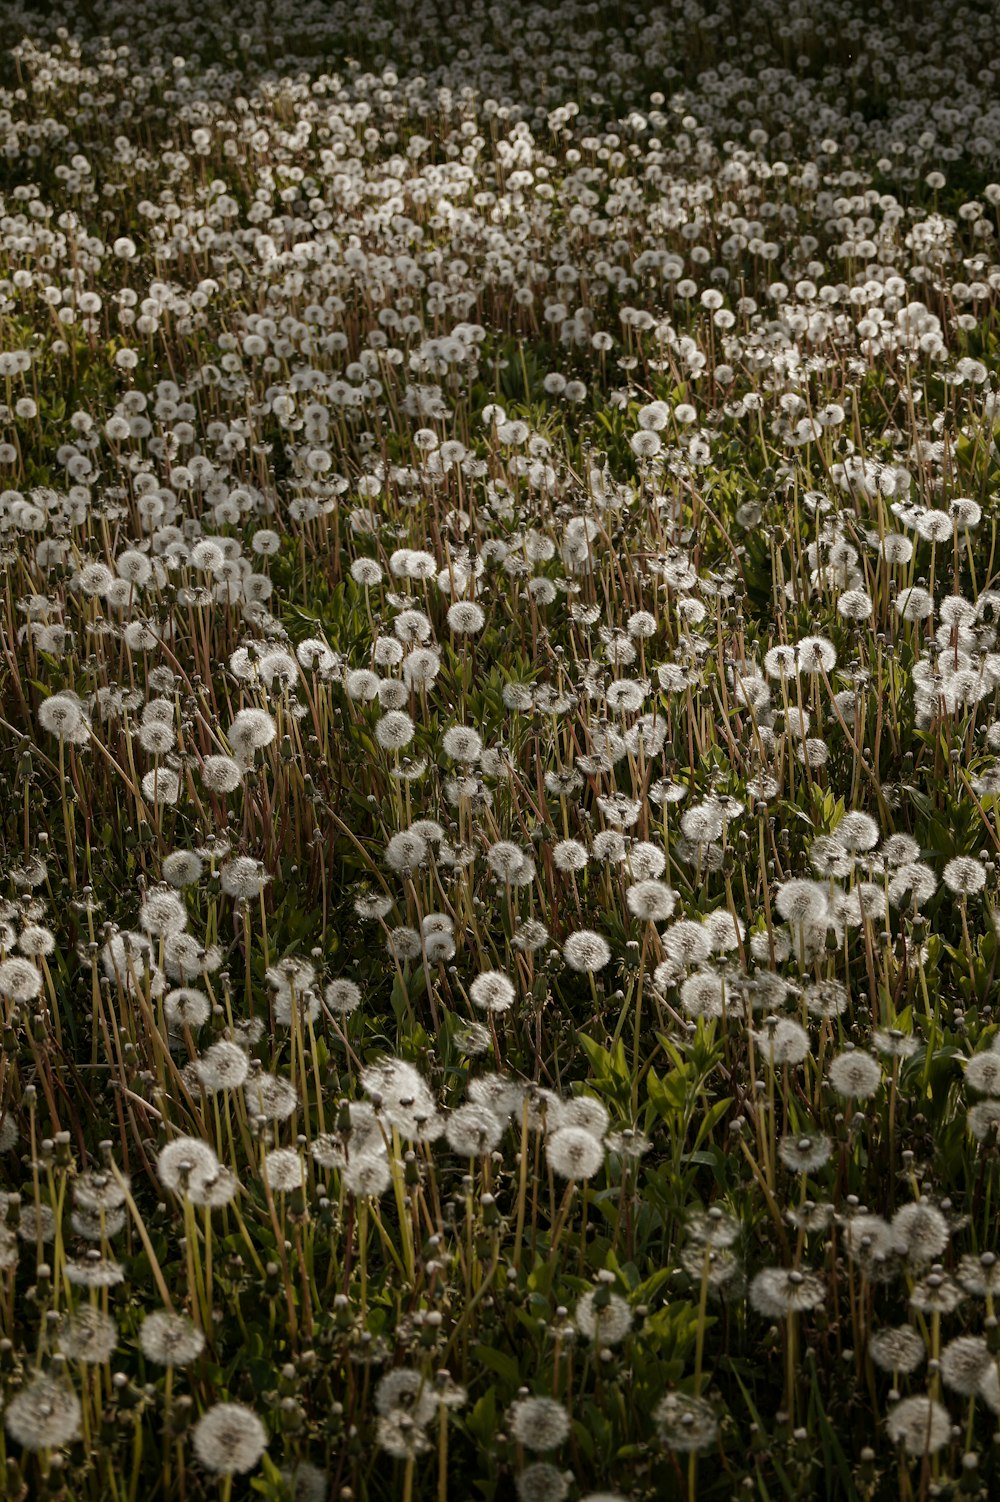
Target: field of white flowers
column 500, row 773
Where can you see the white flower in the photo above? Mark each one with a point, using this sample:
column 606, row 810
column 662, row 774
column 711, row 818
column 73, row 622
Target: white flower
column 586, row 950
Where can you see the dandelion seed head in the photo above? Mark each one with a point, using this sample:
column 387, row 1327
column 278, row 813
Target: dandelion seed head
column 586, row 951
column 170, row 1339
column 44, row 1415
column 283, row 1170
column 686, row 1424
column 782, row 1042
column 473, row 1130
column 574, row 1153
column 221, row 774
column 922, row 1230
column 897, row 1349
column 964, row 1363
column 89, row 1336
column 805, row 1153
column 20, row 980
column 492, row 991
column 569, row 856
column 776, row 1292
column 964, row 876
column 229, row 1439
column 936, row 1293
column 920, row 1425
column 651, row 901
column 587, row 1112
column 539, row 1423
column 465, row 618
column 855, row 1075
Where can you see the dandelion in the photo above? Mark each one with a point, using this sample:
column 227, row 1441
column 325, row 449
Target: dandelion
column 936, row 1293
column 586, row 950
column 982, row 1073
column 920, row 1425
column 367, row 1175
column 645, row 861
column 896, row 549
column 306, row 1482
column 342, row 996
column 855, row 1075
column 224, row 1066
column 964, row 1363
column 242, row 877
column 63, row 716
column 573, row 1153
column 492, row 992
column 651, row 901
column 964, row 876
column 221, row 774
column 183, row 868
column 250, row 731
column 539, row 1423
column 800, row 901
column 805, row 1154
column 894, row 1044
column 912, row 885
column 89, row 1336
column 587, row 1112
column 163, row 913
column 362, row 685
column 93, row 1271
column 442, row 712
column 703, row 994
column 399, row 1436
column 777, row 1292
column 897, row 1349
column 855, row 605
column 186, row 1163
column 858, row 832
column 497, row 1093
column 915, row 603
column 20, row 980
column 603, row 1317
column 229, row 1439
column 186, row 1007
column 406, row 850
column 989, row 1387
column 686, row 1424
column 542, row 1483
column 826, row 999
column 270, row 1096
column 569, row 855
column 406, row 1391
column 170, row 1339
column 714, row 1228
column 472, row 1131
column 97, row 1191
column 283, row 1170
column 44, row 1415
column 814, row 654
column 922, row 1230
column 394, row 730
column 983, row 1119
column 465, row 618
column 980, row 1275
column 783, row 1042
column 463, row 744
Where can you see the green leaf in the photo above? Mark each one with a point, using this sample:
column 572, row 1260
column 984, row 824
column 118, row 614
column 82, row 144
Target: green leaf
column 504, row 1366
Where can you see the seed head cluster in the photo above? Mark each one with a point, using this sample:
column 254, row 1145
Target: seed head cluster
column 500, row 703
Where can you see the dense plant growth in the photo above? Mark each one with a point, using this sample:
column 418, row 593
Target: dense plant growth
column 500, row 792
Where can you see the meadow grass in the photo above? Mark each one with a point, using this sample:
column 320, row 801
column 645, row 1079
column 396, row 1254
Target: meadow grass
column 500, row 792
